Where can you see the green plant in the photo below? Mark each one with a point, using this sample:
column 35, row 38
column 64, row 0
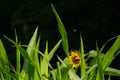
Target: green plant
column 37, row 65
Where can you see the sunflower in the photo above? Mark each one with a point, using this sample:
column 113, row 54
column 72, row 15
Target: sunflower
column 74, row 58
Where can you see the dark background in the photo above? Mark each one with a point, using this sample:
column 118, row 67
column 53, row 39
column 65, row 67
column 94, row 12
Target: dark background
column 95, row 19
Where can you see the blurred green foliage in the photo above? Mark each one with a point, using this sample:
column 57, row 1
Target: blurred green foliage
column 96, row 20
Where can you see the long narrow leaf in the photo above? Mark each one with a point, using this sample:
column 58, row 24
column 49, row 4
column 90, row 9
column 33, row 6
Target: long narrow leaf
column 89, row 71
column 51, row 53
column 27, row 67
column 17, row 58
column 12, row 75
column 58, row 71
column 110, row 53
column 3, row 55
column 112, row 71
column 73, row 75
column 83, row 64
column 37, row 72
column 62, row 31
column 44, row 64
column 25, row 74
column 23, row 52
column 4, row 59
column 100, row 74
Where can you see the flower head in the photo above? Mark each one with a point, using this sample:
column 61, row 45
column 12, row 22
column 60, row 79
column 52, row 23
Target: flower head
column 74, row 58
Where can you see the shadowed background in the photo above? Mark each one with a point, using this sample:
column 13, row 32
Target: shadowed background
column 95, row 20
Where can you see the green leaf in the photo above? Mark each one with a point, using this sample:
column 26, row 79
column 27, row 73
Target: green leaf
column 62, row 31
column 27, row 67
column 3, row 55
column 92, row 74
column 28, row 56
column 89, row 71
column 112, row 71
column 54, row 74
column 23, row 52
column 73, row 75
column 17, row 58
column 65, row 66
column 58, row 71
column 63, row 62
column 83, row 64
column 100, row 74
column 37, row 71
column 44, row 63
column 51, row 53
column 65, row 72
column 4, row 59
column 110, row 53
column 8, row 73
column 1, row 76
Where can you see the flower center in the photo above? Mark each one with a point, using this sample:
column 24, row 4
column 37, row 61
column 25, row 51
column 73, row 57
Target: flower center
column 76, row 60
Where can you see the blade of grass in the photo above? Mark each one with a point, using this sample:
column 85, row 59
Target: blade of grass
column 27, row 67
column 37, row 73
column 65, row 72
column 17, row 58
column 8, row 73
column 18, row 62
column 65, row 66
column 23, row 52
column 54, row 74
column 92, row 74
column 27, row 58
column 107, row 43
column 3, row 55
column 58, row 71
column 100, row 74
column 4, row 59
column 44, row 64
column 110, row 53
column 63, row 63
column 73, row 75
column 89, row 71
column 25, row 73
column 51, row 53
column 1, row 76
column 83, row 64
column 112, row 71
column 62, row 31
